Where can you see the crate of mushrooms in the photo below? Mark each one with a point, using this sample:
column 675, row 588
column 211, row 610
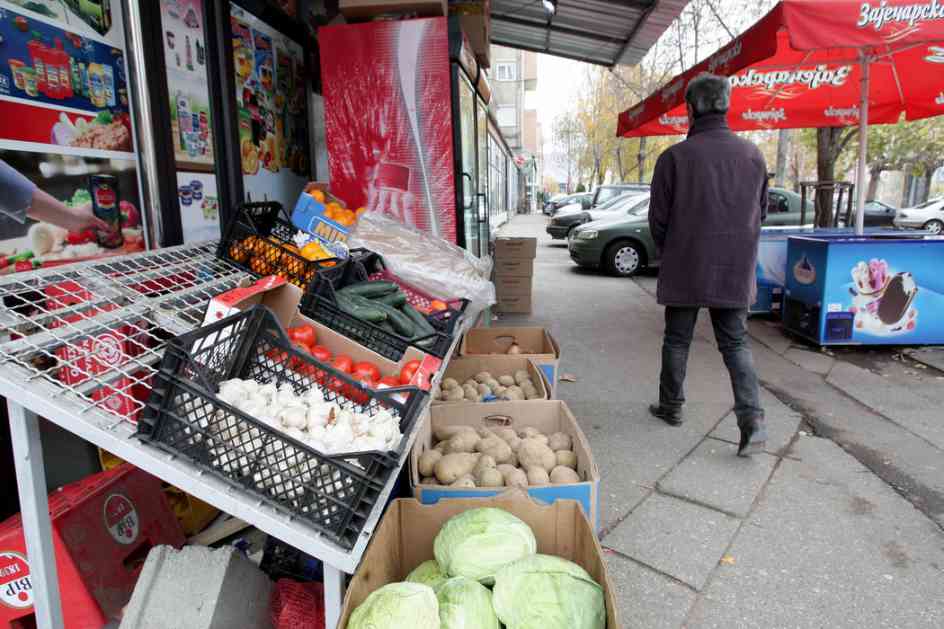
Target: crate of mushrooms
column 478, row 450
column 490, row 379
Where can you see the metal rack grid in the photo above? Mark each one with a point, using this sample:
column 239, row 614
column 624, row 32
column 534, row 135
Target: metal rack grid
column 78, row 346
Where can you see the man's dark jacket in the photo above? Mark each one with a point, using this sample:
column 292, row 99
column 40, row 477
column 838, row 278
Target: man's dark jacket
column 709, row 197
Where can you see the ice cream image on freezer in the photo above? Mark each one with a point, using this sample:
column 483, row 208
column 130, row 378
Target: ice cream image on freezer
column 882, row 300
column 409, row 44
column 804, row 271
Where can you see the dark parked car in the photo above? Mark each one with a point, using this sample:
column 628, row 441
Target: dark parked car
column 583, row 198
column 565, row 221
column 878, row 214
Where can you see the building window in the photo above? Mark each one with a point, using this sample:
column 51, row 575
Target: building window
column 507, row 116
column 506, row 71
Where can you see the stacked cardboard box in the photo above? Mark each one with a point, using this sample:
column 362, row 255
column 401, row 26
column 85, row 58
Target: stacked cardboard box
column 514, row 269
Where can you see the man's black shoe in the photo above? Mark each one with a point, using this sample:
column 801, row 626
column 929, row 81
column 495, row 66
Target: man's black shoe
column 753, row 438
column 669, row 416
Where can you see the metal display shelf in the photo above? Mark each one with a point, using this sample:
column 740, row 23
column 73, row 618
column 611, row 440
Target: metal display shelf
column 78, row 346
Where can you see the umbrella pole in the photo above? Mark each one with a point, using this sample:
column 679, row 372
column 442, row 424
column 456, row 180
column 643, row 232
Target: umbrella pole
column 863, row 168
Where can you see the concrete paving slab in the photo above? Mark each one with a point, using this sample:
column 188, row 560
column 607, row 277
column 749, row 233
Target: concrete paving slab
column 901, row 404
column 647, row 599
column 675, row 537
column 782, row 424
column 932, row 357
column 810, row 359
column 829, row 545
column 713, row 475
column 770, row 334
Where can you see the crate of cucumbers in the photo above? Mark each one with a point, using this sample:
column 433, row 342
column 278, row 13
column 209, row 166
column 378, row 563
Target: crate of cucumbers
column 262, row 240
column 369, row 304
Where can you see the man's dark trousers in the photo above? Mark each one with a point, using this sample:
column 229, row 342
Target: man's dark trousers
column 730, row 325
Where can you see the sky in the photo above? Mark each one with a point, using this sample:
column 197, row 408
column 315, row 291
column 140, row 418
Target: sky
column 559, row 83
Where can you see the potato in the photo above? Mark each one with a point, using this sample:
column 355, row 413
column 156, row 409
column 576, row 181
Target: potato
column 505, row 470
column 466, row 482
column 505, row 433
column 513, row 394
column 514, row 444
column 566, row 458
column 490, row 477
column 453, row 395
column 537, row 476
column 492, row 384
column 428, row 481
column 561, row 475
column 470, row 383
column 543, row 439
column 454, row 466
column 513, row 459
column 508, row 381
column 484, row 432
column 428, row 461
column 521, row 375
column 482, row 377
column 441, row 447
column 560, row 441
column 529, row 432
column 463, row 442
column 528, row 387
column 436, row 393
column 533, row 453
column 516, row 479
column 470, row 392
column 533, row 396
column 499, row 391
column 526, row 383
column 484, row 390
column 495, row 448
column 450, row 383
column 445, row 433
column 485, row 462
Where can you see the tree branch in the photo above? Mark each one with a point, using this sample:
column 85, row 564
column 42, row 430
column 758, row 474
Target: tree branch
column 714, row 11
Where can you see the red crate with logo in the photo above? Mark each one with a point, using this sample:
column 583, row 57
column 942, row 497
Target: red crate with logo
column 103, row 527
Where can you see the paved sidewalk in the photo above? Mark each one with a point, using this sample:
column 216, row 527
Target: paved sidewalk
column 804, row 535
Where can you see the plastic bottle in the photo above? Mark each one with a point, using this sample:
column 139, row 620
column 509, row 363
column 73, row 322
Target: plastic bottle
column 51, row 64
column 62, row 66
column 35, row 48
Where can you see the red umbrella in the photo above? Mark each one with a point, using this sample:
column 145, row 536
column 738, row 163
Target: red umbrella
column 819, row 63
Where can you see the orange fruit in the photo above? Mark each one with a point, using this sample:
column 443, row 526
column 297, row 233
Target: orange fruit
column 360, row 211
column 346, row 218
column 317, row 195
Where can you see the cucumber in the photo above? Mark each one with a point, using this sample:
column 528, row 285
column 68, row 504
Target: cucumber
column 401, row 323
column 396, row 299
column 370, row 290
column 360, row 308
column 423, row 327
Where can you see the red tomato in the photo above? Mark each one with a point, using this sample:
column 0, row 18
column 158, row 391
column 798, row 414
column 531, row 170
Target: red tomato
column 278, row 356
column 304, row 334
column 321, row 353
column 344, row 363
column 390, row 381
column 366, row 370
column 408, row 371
column 297, row 362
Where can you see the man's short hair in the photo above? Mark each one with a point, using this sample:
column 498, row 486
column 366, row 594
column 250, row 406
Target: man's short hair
column 708, row 94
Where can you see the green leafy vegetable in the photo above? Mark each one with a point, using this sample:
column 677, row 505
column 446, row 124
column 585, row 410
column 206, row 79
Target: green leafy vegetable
column 428, row 573
column 476, row 543
column 396, row 606
column 465, row 604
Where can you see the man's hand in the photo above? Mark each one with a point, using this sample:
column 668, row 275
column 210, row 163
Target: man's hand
column 80, row 218
column 49, row 209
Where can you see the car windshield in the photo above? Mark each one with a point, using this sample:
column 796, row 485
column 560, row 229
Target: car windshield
column 928, row 204
column 608, row 194
column 619, row 203
column 640, row 207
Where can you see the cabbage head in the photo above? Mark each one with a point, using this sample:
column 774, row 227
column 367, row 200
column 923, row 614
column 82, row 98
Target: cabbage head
column 397, row 605
column 476, row 543
column 428, row 573
column 545, row 592
column 465, row 604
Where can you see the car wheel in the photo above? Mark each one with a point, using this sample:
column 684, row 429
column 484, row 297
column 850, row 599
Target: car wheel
column 935, row 227
column 624, row 258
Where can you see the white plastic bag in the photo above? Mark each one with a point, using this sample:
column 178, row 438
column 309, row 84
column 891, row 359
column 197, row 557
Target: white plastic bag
column 432, row 264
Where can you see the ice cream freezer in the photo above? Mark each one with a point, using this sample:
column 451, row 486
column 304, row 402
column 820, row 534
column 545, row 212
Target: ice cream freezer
column 866, row 290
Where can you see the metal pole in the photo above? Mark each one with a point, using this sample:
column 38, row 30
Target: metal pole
column 861, row 183
column 334, row 595
column 34, row 511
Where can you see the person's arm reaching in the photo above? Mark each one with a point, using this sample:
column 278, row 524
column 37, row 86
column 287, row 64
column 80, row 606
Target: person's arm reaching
column 764, row 202
column 660, row 201
column 20, row 198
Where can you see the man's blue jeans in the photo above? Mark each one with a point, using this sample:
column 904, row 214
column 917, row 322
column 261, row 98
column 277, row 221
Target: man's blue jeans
column 730, row 325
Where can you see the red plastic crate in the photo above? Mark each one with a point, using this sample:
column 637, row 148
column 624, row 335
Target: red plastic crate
column 102, row 527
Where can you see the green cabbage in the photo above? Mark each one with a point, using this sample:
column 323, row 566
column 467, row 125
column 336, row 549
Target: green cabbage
column 465, row 604
column 398, row 605
column 476, row 543
column 545, row 592
column 428, row 573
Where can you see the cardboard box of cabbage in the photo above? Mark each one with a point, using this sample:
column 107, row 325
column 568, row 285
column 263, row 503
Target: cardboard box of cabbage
column 475, row 563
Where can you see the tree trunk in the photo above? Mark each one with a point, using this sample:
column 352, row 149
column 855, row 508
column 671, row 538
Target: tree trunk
column 826, row 140
column 875, row 178
column 783, row 152
column 641, row 160
column 926, row 184
column 619, row 164
column 906, row 190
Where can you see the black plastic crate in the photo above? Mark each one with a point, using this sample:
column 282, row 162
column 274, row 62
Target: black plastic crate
column 258, row 240
column 320, row 303
column 334, row 494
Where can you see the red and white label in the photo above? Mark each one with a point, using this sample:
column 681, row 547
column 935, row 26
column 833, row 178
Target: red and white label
column 105, row 197
column 121, row 519
column 16, row 586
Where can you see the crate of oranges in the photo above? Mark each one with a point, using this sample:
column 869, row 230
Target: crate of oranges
column 261, row 240
column 323, row 215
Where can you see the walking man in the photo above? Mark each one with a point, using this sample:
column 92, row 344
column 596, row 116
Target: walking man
column 709, row 197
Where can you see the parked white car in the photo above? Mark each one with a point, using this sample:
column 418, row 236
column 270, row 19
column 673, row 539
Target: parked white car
column 928, row 216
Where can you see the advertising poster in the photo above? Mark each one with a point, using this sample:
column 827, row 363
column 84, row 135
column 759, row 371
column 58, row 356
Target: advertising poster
column 271, row 106
column 187, row 84
column 66, row 177
column 64, row 117
column 199, row 206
